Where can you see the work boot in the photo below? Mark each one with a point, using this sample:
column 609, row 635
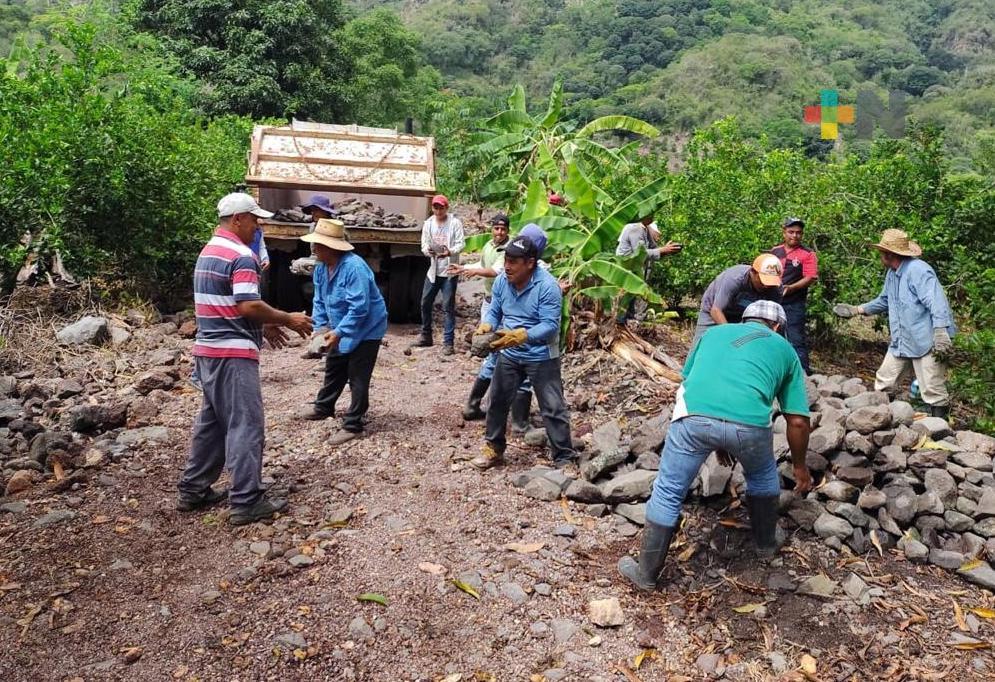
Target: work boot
column 313, row 414
column 653, row 553
column 472, row 411
column 424, row 341
column 210, row 497
column 448, row 349
column 264, row 508
column 342, row 436
column 941, row 411
column 763, row 523
column 521, row 406
column 488, row 457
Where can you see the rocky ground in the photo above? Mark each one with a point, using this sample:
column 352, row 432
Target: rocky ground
column 399, row 561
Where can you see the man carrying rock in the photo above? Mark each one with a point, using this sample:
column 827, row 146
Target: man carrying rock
column 735, row 288
column 491, row 263
column 919, row 318
column 232, row 321
column 731, row 380
column 442, row 240
column 525, row 310
column 347, row 302
column 801, row 269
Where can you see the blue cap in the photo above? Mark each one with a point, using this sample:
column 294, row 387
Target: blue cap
column 319, row 201
column 538, row 237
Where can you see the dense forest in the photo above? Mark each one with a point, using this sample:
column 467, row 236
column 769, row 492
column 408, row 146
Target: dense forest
column 682, row 64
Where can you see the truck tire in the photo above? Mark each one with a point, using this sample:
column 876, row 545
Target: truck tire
column 398, row 290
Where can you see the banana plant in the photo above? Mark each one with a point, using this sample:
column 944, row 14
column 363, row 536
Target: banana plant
column 521, row 149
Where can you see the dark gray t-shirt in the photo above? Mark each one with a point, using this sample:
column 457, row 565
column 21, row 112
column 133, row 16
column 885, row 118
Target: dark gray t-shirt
column 731, row 292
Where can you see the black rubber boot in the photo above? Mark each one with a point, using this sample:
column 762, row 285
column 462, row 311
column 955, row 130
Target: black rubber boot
column 763, row 523
column 652, row 554
column 472, row 411
column 941, row 411
column 521, row 407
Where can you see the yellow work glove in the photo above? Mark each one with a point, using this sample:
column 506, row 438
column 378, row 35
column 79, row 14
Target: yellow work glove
column 509, row 338
column 483, row 329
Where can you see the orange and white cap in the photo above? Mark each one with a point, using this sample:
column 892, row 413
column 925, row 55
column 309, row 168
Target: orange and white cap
column 768, row 266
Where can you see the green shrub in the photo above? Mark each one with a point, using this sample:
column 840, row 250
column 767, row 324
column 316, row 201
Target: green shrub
column 104, row 161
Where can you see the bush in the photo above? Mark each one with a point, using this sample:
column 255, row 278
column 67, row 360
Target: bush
column 105, row 163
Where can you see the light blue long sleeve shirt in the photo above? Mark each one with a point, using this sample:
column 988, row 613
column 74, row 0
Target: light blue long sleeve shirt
column 916, row 305
column 536, row 308
column 348, row 302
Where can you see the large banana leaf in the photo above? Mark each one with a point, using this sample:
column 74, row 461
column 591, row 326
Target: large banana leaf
column 510, row 120
column 618, row 122
column 614, row 274
column 476, row 242
column 501, row 142
column 580, row 192
column 640, row 203
column 608, row 158
column 603, row 293
column 555, row 105
column 555, row 222
column 517, row 98
column 536, row 202
column 499, row 189
column 566, row 237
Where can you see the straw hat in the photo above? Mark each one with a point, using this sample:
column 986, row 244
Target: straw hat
column 331, row 233
column 897, row 241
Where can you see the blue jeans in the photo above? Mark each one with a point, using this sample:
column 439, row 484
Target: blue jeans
column 795, row 330
column 689, row 442
column 447, row 285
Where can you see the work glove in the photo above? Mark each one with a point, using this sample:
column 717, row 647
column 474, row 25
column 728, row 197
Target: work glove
column 845, row 310
column 509, row 338
column 941, row 340
column 483, row 328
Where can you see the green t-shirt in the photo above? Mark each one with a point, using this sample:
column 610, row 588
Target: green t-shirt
column 492, row 256
column 735, row 373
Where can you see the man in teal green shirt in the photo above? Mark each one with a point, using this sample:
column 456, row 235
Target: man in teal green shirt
column 731, row 380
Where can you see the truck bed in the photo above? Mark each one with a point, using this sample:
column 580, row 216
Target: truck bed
column 357, row 234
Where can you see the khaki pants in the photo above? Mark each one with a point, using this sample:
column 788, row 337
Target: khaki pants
column 930, row 372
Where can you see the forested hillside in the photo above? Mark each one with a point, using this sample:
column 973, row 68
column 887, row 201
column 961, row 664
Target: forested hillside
column 684, row 63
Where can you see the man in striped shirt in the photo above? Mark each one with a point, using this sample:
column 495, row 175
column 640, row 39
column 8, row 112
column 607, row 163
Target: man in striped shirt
column 232, row 321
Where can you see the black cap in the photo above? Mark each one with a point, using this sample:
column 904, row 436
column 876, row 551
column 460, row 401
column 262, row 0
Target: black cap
column 791, row 220
column 500, row 218
column 521, row 247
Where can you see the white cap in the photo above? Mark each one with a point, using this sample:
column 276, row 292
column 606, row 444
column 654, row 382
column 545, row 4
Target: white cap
column 240, row 202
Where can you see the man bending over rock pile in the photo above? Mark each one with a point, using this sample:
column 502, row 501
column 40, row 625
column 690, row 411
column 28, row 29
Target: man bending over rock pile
column 726, row 401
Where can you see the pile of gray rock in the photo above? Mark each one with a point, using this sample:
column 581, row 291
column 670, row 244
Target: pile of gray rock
column 100, row 409
column 886, row 477
column 356, row 213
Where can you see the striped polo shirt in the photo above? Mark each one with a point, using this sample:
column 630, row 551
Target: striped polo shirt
column 226, row 272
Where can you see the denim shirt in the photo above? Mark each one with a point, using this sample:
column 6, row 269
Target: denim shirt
column 916, row 306
column 348, row 302
column 536, row 308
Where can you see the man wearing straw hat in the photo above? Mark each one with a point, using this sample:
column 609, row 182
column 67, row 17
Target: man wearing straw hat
column 919, row 319
column 348, row 302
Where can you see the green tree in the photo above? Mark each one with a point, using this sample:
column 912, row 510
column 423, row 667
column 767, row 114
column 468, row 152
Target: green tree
column 256, row 57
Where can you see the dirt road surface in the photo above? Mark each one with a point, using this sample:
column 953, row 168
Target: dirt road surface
column 118, row 585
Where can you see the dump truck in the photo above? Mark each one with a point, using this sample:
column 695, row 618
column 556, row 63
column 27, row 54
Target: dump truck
column 393, row 171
